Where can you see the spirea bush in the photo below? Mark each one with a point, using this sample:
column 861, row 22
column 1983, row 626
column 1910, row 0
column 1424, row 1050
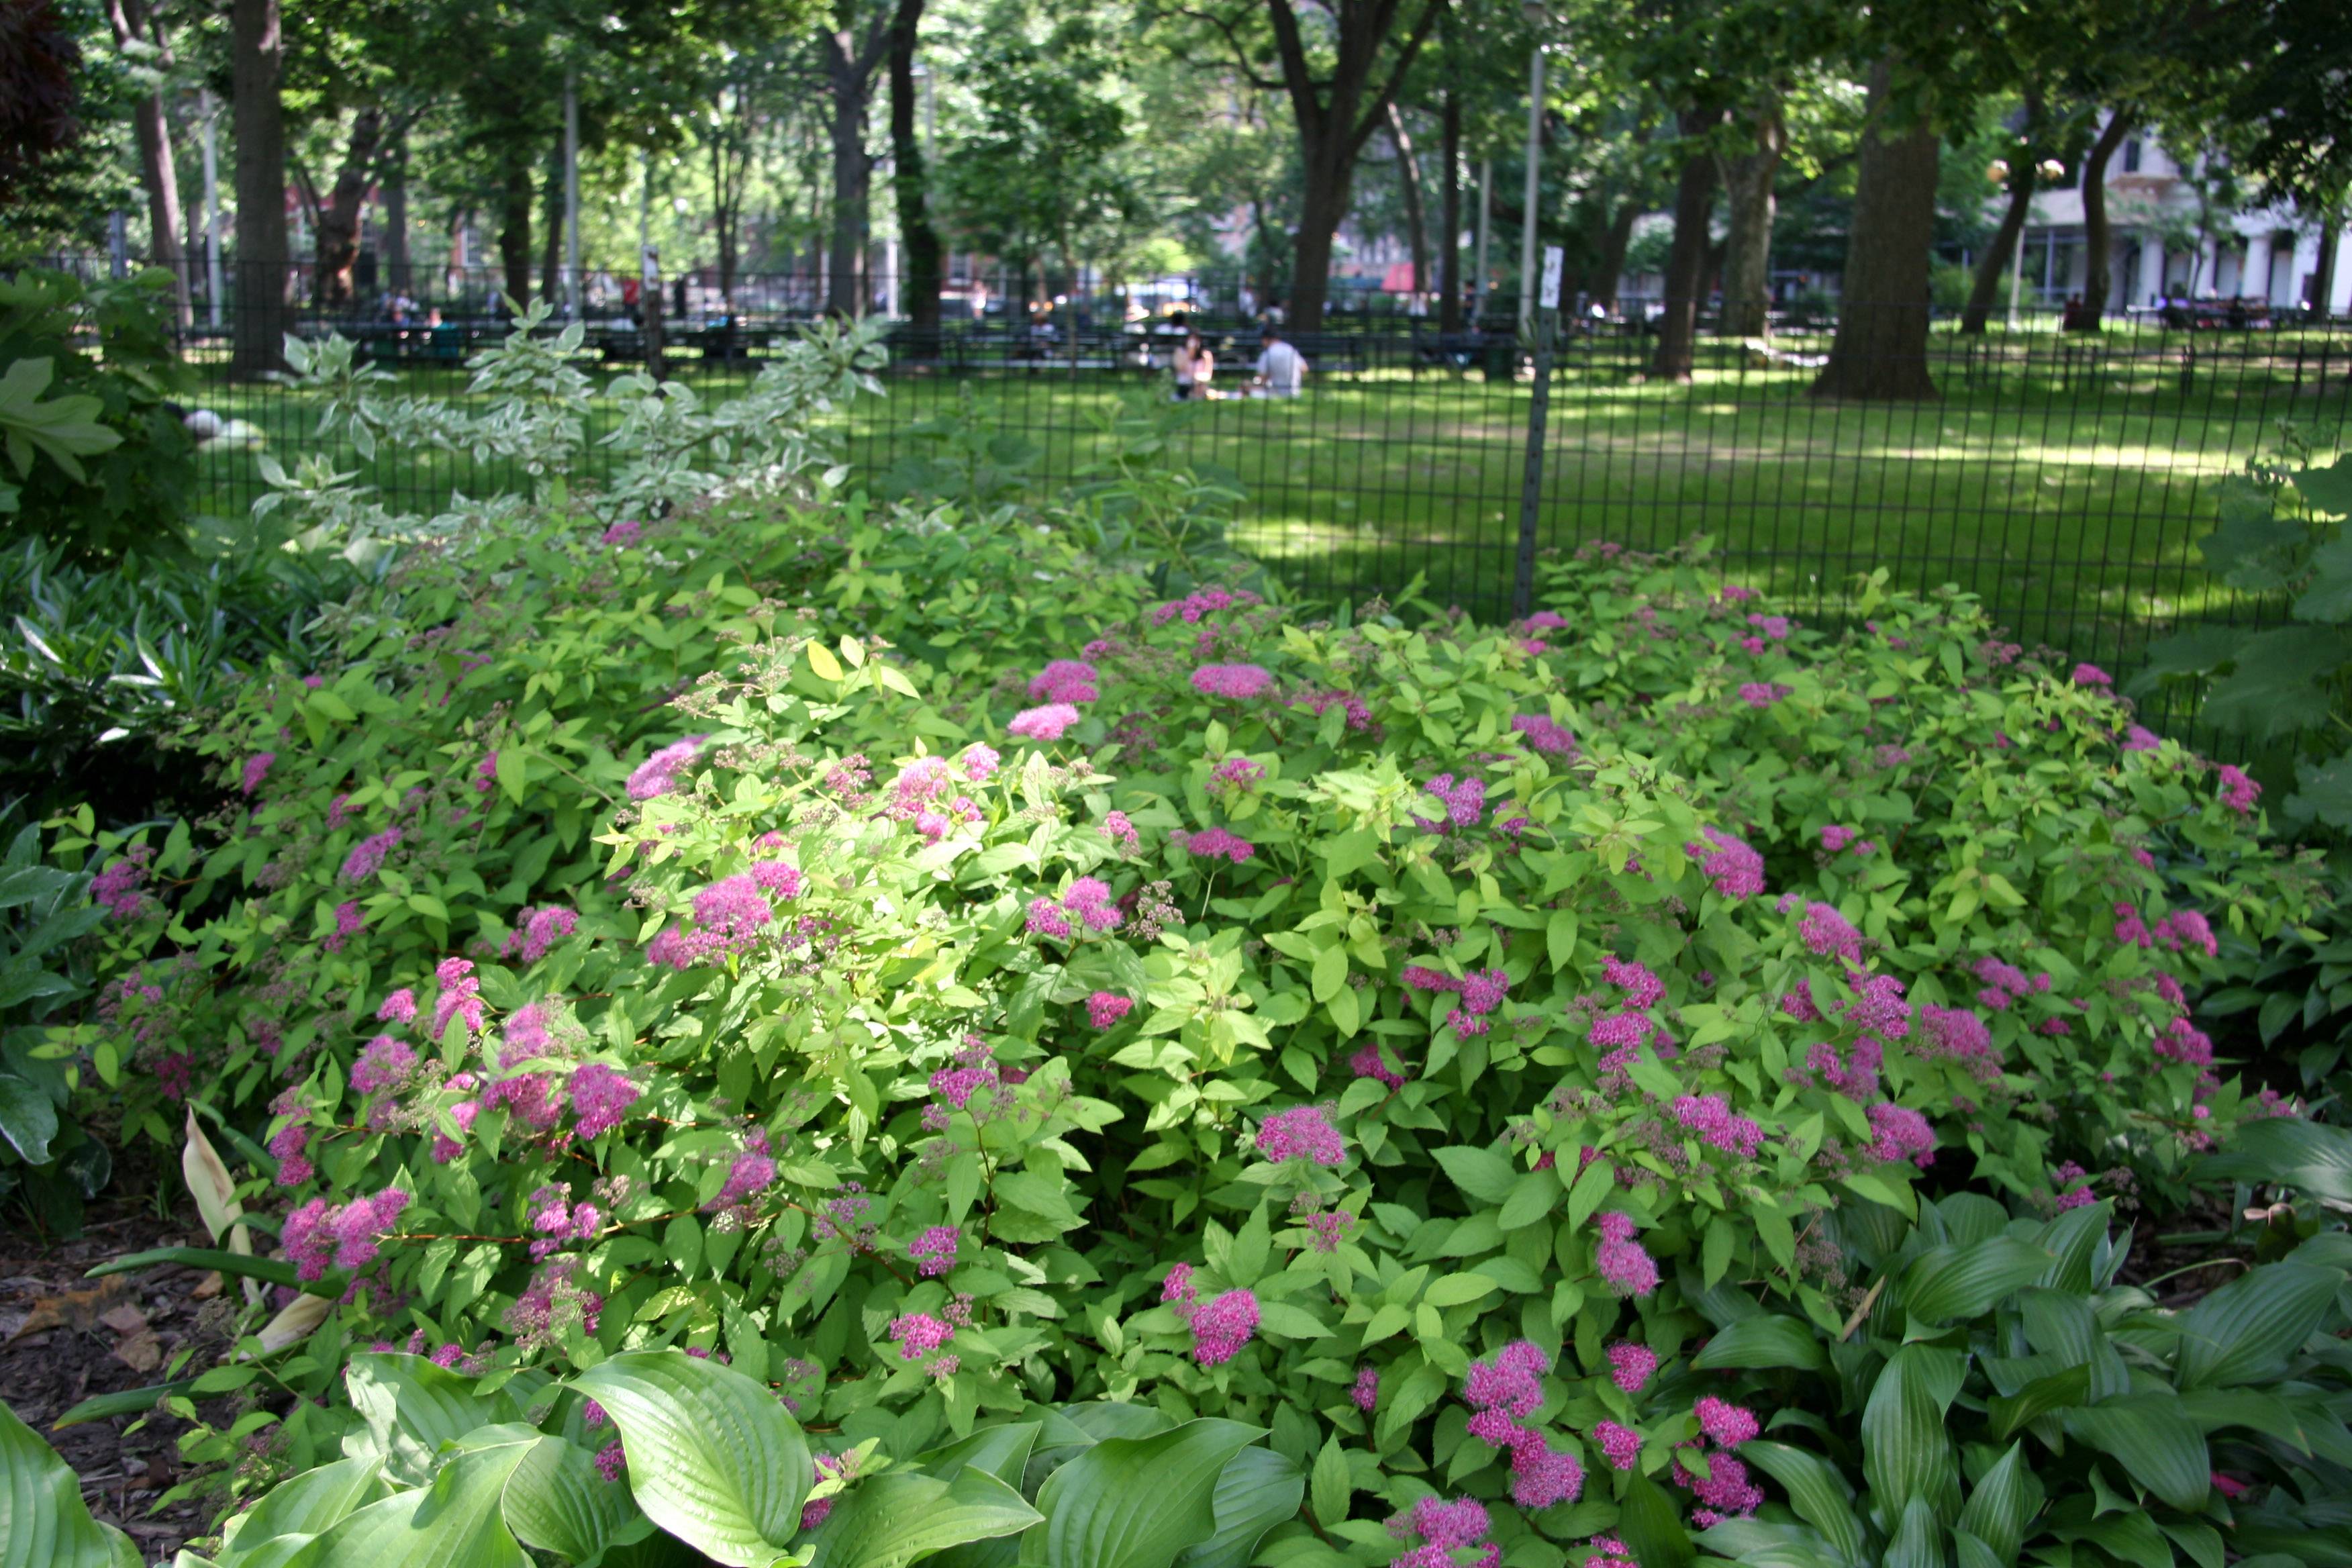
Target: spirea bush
column 900, row 960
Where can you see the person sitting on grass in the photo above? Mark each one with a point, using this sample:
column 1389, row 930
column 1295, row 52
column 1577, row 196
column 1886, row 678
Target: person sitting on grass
column 1280, row 367
column 1194, row 366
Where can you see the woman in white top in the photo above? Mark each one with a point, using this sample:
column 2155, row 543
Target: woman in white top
column 1194, row 366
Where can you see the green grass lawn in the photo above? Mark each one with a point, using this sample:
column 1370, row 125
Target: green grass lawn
column 2068, row 493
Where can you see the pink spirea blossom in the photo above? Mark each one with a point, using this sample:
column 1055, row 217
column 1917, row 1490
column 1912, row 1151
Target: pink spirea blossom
column 1105, row 1008
column 2238, row 792
column 1762, row 694
column 1630, row 1366
column 1358, row 713
column 1118, row 829
column 2181, row 1041
column 1829, row 933
column 1543, row 1477
column 1367, row 1062
column 657, row 776
column 1735, row 869
column 1223, row 1327
column 1544, row 735
column 2092, row 675
column 1089, row 899
column 1624, row 1264
column 1642, row 988
column 1725, row 1492
column 1509, row 1381
column 935, row 1250
column 1045, row 919
column 538, row 933
column 458, row 998
column 256, row 768
column 778, row 877
column 1464, row 803
column 317, row 1237
column 1366, row 1393
column 980, row 762
column 2187, row 928
column 1301, row 1132
column 753, row 1171
column 1878, row 1006
column 367, row 856
column 1710, row 1118
column 1046, row 723
column 526, row 1033
column 1956, row 1034
column 622, row 534
column 1235, row 773
column 917, row 1335
column 2138, row 738
column 1067, row 680
column 349, row 920
column 530, row 1098
column 1177, row 1289
column 601, row 1097
column 1834, row 837
column 1217, row 843
column 1621, row 1445
column 1726, row 1424
column 1234, row 683
column 385, row 1063
column 120, row 888
column 1900, row 1133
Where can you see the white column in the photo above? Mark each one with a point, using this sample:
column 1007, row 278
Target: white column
column 2307, row 258
column 2254, row 281
column 2151, row 268
column 2208, row 268
column 2339, row 287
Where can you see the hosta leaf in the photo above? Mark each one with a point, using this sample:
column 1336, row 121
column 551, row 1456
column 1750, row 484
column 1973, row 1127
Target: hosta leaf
column 2288, row 1152
column 721, row 1465
column 1135, row 1502
column 1762, row 1342
column 2249, row 1327
column 1759, row 1544
column 1258, row 1489
column 1906, row 1450
column 413, row 1406
column 1817, row 1491
column 556, row 1500
column 1650, row 1525
column 2154, row 1440
column 893, row 1518
column 458, row 1521
column 304, row 1505
column 1955, row 1282
column 43, row 1521
column 1918, row 1540
column 1997, row 1509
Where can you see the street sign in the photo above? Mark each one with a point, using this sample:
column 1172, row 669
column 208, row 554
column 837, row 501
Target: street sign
column 1552, row 267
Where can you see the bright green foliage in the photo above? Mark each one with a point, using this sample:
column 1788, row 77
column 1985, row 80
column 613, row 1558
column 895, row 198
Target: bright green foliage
column 46, row 1162
column 43, row 1521
column 1311, row 1011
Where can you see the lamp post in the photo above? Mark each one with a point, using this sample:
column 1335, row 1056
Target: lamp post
column 1536, row 18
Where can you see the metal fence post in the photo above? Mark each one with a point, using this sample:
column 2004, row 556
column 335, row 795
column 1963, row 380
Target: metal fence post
column 1523, row 583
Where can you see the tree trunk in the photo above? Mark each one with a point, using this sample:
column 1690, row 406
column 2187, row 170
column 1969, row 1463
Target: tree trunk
column 727, row 179
column 2097, row 244
column 1322, row 208
column 1449, row 215
column 1880, row 353
column 258, row 119
column 1609, row 269
column 551, row 248
column 1686, row 262
column 1985, row 287
column 849, row 76
column 397, row 272
column 1748, row 248
column 157, row 172
column 1409, row 176
column 514, row 231
column 918, row 291
column 2317, row 294
column 337, row 246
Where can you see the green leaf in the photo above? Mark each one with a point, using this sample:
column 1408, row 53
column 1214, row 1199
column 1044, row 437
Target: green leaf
column 724, row 1469
column 2329, row 490
column 458, row 1521
column 1997, row 1509
column 1135, row 1502
column 1481, row 1174
column 1765, row 1341
column 1952, row 1282
column 43, row 1521
column 413, row 1406
column 1817, row 1490
column 272, row 1270
column 1003, row 1451
column 1257, row 1490
column 1760, row 1544
column 124, row 1402
column 2247, row 1329
column 303, row 1506
column 1532, row 1197
column 891, row 1519
column 1906, row 1451
column 557, row 1501
column 28, row 1118
column 2289, row 1152
column 2155, row 1441
column 2011, row 1413
column 1454, row 1290
column 1330, row 973
column 1918, row 1540
column 2329, row 597
column 1648, row 1524
column 1332, row 1486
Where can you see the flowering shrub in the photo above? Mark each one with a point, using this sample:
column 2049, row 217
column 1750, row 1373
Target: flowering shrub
column 1412, row 1043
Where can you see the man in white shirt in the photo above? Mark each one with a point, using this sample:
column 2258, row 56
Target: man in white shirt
column 1280, row 367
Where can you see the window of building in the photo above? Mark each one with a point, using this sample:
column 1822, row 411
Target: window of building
column 2131, row 155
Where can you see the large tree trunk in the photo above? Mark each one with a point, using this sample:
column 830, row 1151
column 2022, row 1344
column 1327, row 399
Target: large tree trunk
column 157, row 172
column 1409, row 176
column 1748, row 248
column 1880, row 353
column 1449, row 215
column 1609, row 269
column 337, row 249
column 2316, row 292
column 397, row 271
column 1686, row 262
column 2097, row 243
column 1322, row 208
column 1993, row 265
column 258, row 118
column 514, row 231
column 550, row 245
column 848, row 74
column 918, row 291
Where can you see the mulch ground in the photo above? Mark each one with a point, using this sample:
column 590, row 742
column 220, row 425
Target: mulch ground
column 64, row 1338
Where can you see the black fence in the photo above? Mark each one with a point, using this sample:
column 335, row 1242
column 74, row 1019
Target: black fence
column 2065, row 477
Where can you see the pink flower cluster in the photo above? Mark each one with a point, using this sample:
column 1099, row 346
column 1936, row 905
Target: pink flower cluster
column 1630, row 1366
column 1954, row 1034
column 601, row 1097
column 1216, row 844
column 385, row 1062
column 1223, row 1327
column 1465, row 802
column 2238, row 792
column 1481, row 992
column 1359, row 714
column 935, row 1250
column 1724, row 1423
column 1829, row 933
column 1067, row 680
column 1049, row 723
column 917, row 1335
column 1236, row 774
column 1711, row 1118
column 1088, row 902
column 1105, row 1008
column 659, row 775
column 1367, row 1062
column 349, row 921
column 317, row 1236
column 1837, row 839
column 2092, row 675
column 1301, row 1132
column 120, row 888
column 1642, row 988
column 560, row 1222
column 1366, row 1393
column 1503, row 1392
column 1232, row 682
column 1204, row 602
column 2181, row 1041
column 2004, row 984
column 256, row 768
column 1735, row 869
column 1762, row 694
column 1900, row 1133
column 1621, row 1445
column 1624, row 1264
column 753, row 1171
column 1544, row 735
column 367, row 856
column 1446, row 1528
column 459, row 998
column 541, row 929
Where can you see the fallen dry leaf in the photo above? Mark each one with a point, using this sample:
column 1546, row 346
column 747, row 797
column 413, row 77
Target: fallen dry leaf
column 75, row 1309
column 208, row 1287
column 127, row 1319
column 141, row 1351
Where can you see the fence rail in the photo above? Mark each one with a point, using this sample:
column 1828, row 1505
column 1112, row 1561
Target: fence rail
column 2062, row 477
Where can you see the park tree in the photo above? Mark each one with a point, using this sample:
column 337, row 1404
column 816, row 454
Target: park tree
column 258, row 112
column 910, row 176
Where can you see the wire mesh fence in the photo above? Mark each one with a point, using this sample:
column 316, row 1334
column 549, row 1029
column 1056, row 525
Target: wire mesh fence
column 2064, row 477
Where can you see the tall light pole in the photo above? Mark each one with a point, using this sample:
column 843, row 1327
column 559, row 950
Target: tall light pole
column 1534, row 13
